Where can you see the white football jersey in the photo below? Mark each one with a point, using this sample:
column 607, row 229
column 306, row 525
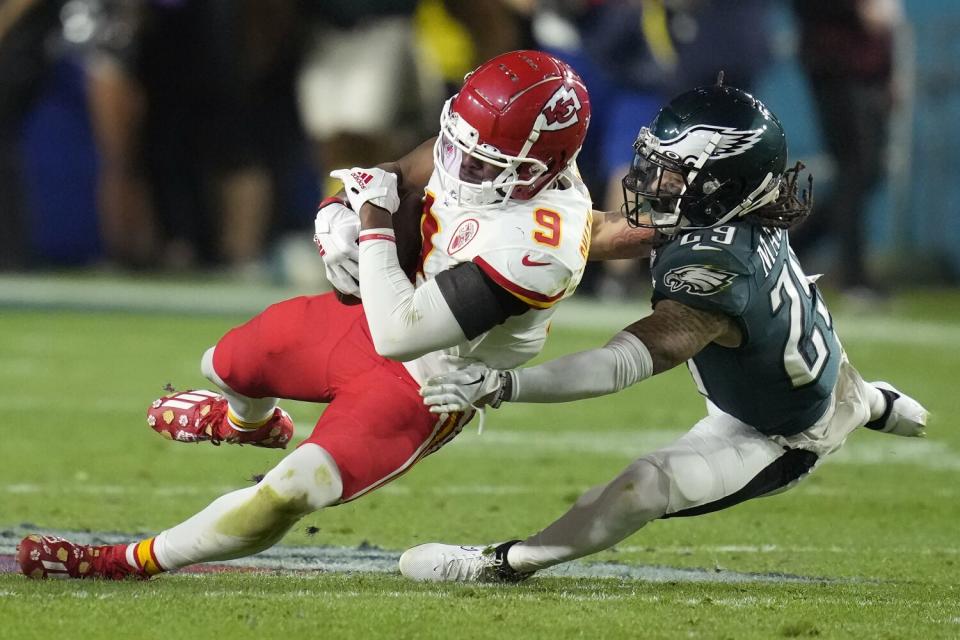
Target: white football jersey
column 535, row 249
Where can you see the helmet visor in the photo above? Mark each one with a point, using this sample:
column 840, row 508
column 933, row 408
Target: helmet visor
column 655, row 186
column 659, row 186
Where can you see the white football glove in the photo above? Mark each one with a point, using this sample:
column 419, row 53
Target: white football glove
column 473, row 386
column 336, row 229
column 376, row 186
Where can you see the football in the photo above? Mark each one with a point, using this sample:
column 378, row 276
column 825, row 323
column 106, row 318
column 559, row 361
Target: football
column 406, row 224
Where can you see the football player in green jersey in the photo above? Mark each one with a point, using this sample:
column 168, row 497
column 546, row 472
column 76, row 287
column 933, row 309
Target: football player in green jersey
column 731, row 300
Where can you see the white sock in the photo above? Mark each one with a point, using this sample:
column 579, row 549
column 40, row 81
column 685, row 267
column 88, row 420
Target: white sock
column 250, row 520
column 245, row 413
column 601, row 517
column 877, row 401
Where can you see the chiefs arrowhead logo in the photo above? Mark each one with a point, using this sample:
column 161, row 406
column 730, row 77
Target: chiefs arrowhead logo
column 562, row 110
column 698, row 279
column 464, row 233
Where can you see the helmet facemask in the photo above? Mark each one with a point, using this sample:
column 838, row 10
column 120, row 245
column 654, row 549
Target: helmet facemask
column 682, row 193
column 459, row 139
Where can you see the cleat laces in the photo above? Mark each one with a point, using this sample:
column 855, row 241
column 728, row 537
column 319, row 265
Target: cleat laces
column 469, row 568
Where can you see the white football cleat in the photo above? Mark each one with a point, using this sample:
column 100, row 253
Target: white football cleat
column 435, row 562
column 904, row 415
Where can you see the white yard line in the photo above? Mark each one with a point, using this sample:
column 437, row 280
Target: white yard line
column 864, row 448
column 235, row 297
column 737, row 549
column 99, row 489
column 24, row 488
column 879, row 450
column 372, row 559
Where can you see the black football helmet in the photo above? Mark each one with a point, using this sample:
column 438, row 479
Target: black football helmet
column 711, row 155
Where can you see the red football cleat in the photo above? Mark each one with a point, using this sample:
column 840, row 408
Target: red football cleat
column 41, row 557
column 199, row 415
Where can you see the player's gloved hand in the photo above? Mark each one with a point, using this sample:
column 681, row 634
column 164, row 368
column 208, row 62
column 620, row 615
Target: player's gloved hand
column 336, row 229
column 376, row 186
column 472, row 386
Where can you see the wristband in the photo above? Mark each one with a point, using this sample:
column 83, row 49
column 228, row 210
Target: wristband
column 504, row 390
column 377, row 234
column 331, row 200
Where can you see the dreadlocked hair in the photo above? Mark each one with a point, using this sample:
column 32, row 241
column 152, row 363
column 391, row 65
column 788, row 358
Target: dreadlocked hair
column 791, row 208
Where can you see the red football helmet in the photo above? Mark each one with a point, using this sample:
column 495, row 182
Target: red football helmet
column 525, row 112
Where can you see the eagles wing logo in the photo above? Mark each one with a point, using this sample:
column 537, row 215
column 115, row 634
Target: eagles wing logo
column 698, row 279
column 561, row 110
column 692, row 142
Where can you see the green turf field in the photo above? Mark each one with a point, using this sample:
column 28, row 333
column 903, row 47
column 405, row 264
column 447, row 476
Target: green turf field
column 868, row 547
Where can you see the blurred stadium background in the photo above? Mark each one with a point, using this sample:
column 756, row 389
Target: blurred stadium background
column 185, row 135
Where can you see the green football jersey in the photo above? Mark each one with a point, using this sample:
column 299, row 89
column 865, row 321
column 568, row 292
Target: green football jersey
column 780, row 378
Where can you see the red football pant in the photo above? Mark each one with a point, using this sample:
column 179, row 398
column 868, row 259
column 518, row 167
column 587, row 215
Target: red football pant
column 316, row 349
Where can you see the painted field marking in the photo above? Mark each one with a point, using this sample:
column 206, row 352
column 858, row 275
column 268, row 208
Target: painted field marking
column 26, row 488
column 580, row 314
column 862, row 449
column 373, row 559
column 232, row 297
column 869, row 450
column 774, row 548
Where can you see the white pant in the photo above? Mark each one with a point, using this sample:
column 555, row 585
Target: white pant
column 722, row 454
column 354, row 80
column 721, row 462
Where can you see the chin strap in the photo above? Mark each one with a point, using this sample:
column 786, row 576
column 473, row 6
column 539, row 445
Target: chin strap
column 482, row 413
column 756, row 199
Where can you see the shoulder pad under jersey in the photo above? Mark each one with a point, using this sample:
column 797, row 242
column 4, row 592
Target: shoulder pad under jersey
column 703, row 276
column 543, row 250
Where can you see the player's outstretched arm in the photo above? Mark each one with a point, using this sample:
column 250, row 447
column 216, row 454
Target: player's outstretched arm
column 671, row 335
column 675, row 332
column 612, row 238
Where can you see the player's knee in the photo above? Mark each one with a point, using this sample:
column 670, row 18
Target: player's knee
column 693, row 480
column 304, row 481
column 644, row 491
column 206, row 367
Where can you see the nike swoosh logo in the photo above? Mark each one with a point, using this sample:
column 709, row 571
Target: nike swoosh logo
column 528, row 262
column 701, row 247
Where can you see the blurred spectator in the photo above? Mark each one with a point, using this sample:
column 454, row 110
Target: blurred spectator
column 358, row 88
column 714, row 35
column 633, row 56
column 454, row 36
column 377, row 71
column 495, row 26
column 609, row 43
column 25, row 60
column 129, row 226
column 194, row 111
column 846, row 48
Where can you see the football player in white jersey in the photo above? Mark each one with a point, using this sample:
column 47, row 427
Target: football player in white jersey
column 506, row 230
